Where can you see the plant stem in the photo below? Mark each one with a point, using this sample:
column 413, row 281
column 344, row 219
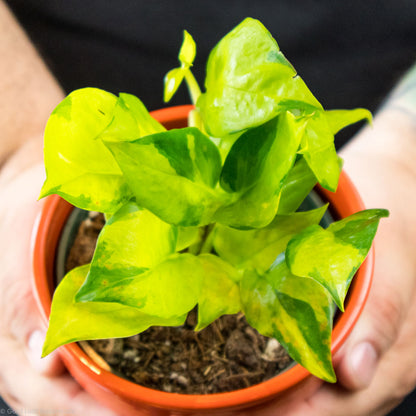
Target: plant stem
column 206, row 246
column 193, row 87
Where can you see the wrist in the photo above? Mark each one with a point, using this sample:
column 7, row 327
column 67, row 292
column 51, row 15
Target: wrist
column 391, row 140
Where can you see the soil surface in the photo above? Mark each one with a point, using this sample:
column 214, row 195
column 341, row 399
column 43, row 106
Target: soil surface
column 225, row 356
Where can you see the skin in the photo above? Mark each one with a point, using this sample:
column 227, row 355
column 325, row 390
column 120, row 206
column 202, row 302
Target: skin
column 377, row 366
column 29, row 94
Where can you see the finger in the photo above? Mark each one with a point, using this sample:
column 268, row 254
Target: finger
column 30, row 392
column 20, row 317
column 384, row 181
column 22, row 322
column 394, row 378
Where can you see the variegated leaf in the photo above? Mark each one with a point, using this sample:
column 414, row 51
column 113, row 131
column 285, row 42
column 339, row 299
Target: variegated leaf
column 255, row 170
column 72, row 321
column 220, row 292
column 179, row 168
column 132, row 242
column 258, row 248
column 78, row 167
column 332, row 256
column 297, row 311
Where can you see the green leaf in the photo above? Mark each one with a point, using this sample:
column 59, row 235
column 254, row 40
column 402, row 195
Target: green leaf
column 338, row 119
column 246, row 159
column 296, row 187
column 359, row 229
column 173, row 79
column 220, row 291
column 256, row 168
column 76, row 321
column 131, row 120
column 297, row 311
column 318, row 142
column 332, row 256
column 247, row 78
column 259, row 248
column 134, row 265
column 316, row 253
column 171, row 288
column 187, row 236
column 79, row 167
column 131, row 242
column 173, row 174
column 188, row 50
column 319, row 151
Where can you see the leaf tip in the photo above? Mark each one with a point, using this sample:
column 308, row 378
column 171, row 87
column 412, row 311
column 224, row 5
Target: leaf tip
column 326, row 372
column 331, row 187
column 384, row 213
column 330, row 377
column 45, row 351
column 188, row 50
column 45, row 191
column 48, row 346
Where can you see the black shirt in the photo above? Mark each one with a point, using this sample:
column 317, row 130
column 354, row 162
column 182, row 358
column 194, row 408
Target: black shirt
column 350, row 53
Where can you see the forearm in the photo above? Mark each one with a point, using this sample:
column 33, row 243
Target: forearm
column 28, row 90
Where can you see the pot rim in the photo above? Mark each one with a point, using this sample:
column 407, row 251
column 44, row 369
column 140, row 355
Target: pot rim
column 47, row 231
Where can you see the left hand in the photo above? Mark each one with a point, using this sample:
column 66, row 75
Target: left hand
column 28, row 383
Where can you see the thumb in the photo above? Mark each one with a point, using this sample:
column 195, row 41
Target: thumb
column 20, row 316
column 380, row 323
column 50, row 365
column 25, row 326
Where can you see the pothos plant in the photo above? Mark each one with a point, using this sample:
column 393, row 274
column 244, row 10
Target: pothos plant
column 206, row 215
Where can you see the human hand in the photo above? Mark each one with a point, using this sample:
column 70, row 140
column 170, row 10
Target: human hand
column 376, row 368
column 28, row 383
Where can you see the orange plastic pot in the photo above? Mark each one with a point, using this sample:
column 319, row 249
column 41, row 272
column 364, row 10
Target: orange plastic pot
column 128, row 398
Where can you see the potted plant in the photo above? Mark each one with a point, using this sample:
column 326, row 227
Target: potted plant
column 205, row 215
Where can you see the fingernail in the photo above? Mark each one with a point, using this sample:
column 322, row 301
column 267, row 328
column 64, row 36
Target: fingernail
column 363, row 361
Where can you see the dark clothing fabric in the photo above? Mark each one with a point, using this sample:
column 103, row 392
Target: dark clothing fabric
column 350, row 53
